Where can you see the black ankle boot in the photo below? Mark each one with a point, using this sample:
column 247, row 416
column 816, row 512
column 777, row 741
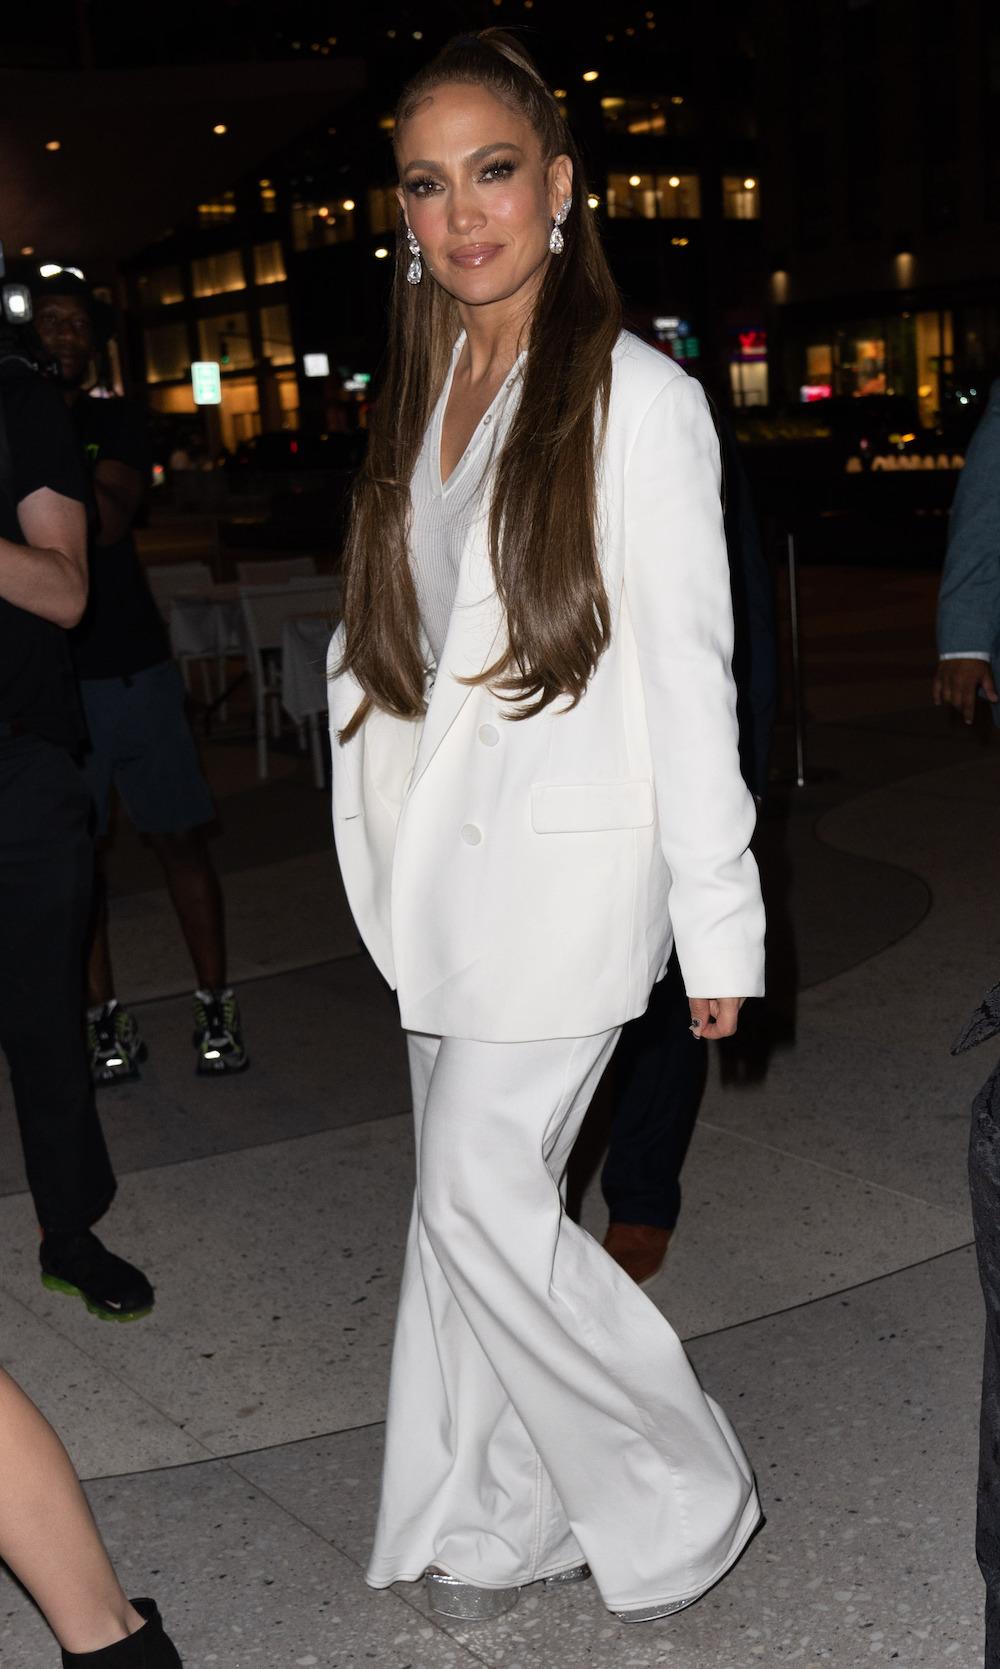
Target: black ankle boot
column 148, row 1648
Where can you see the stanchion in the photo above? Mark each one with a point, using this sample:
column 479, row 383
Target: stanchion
column 798, row 704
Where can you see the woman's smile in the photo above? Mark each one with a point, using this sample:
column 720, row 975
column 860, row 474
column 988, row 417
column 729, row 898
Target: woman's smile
column 474, row 254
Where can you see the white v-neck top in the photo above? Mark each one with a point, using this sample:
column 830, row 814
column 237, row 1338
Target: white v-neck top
column 442, row 513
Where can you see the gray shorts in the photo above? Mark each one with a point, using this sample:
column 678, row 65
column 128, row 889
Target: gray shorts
column 141, row 744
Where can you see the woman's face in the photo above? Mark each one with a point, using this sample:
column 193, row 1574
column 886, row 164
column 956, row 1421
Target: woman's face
column 477, row 195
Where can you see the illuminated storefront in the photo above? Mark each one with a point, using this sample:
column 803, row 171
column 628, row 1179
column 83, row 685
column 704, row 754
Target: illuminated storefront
column 748, row 378
column 910, row 354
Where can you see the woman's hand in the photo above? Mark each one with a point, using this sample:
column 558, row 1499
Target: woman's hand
column 715, row 1016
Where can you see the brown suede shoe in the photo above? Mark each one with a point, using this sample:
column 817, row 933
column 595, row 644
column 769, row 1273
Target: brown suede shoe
column 638, row 1248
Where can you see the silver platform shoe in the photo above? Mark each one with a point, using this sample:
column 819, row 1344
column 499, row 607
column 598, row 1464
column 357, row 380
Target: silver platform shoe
column 462, row 1602
column 649, row 1613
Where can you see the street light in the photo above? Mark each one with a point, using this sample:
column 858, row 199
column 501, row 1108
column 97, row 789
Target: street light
column 591, row 75
column 635, row 179
column 220, row 127
column 381, row 252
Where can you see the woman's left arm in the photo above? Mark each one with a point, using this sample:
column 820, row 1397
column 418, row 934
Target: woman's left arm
column 679, row 603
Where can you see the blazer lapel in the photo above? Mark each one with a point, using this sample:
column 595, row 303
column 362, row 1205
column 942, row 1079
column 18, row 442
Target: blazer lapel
column 474, row 636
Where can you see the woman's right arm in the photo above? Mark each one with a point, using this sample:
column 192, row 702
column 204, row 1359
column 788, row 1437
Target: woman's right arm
column 678, row 593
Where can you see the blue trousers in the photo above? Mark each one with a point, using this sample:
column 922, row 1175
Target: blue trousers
column 659, row 1079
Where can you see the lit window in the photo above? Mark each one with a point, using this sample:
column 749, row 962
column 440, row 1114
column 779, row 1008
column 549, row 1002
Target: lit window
column 748, row 382
column 654, row 197
column 819, row 362
column 217, row 275
column 268, row 197
column 167, row 355
column 316, row 224
column 226, row 338
column 268, row 263
column 276, row 335
column 161, row 287
column 220, row 209
column 383, row 209
column 645, row 116
column 740, row 197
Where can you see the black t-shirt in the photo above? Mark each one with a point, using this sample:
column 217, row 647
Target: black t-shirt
column 37, row 687
column 122, row 630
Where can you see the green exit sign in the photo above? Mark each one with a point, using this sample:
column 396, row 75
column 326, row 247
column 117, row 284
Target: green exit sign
column 206, row 382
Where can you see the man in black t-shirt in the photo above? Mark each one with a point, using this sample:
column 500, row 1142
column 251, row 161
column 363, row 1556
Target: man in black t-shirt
column 45, row 849
column 139, row 739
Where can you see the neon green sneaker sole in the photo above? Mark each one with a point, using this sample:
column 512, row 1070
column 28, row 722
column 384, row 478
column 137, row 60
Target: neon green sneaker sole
column 56, row 1284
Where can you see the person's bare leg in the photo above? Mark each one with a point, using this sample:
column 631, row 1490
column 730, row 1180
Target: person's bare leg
column 48, row 1536
column 100, row 977
column 197, row 897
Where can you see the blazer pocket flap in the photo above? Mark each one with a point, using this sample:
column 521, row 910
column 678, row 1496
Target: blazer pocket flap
column 588, row 807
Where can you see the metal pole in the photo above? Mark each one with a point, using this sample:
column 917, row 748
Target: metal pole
column 793, row 615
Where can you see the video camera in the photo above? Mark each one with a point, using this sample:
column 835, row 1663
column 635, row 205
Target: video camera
column 15, row 299
column 19, row 347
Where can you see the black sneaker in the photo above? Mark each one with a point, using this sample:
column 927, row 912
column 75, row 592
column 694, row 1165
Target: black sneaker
column 217, row 1035
column 114, row 1044
column 79, row 1265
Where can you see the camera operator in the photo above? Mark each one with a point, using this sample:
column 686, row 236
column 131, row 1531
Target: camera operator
column 46, row 860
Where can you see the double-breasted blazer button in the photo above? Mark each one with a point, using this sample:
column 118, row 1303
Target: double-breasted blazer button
column 489, row 735
column 471, row 835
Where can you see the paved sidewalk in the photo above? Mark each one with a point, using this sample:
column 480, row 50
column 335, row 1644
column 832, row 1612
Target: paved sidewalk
column 822, row 1272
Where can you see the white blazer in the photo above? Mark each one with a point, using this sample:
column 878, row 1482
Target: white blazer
column 523, row 880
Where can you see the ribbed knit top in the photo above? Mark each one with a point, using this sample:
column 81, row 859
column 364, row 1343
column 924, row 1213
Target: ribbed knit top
column 443, row 513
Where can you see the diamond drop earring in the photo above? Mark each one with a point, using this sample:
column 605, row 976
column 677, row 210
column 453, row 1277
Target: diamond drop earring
column 415, row 270
column 557, row 242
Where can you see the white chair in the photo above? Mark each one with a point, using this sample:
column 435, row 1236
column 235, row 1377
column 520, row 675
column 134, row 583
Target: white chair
column 274, row 573
column 265, row 610
column 166, row 580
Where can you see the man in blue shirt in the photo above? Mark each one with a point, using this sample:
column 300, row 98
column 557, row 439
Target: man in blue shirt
column 968, row 624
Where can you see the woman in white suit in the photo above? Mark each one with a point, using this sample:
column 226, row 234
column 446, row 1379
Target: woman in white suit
column 536, row 791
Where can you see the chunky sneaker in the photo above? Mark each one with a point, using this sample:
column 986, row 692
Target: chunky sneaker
column 217, row 1035
column 113, row 1044
column 80, row 1266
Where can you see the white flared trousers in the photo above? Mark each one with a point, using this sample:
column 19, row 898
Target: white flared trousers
column 541, row 1410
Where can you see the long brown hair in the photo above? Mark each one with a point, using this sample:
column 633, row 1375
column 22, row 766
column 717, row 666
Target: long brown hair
column 542, row 532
